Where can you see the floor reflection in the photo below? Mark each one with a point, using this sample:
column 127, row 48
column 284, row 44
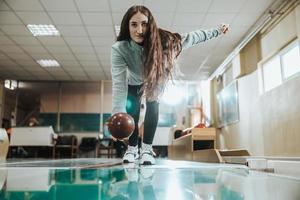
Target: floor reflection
column 167, row 180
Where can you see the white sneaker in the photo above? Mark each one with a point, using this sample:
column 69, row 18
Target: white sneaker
column 131, row 154
column 147, row 155
column 132, row 174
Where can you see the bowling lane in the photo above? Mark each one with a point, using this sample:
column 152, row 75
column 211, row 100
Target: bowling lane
column 62, row 163
column 166, row 180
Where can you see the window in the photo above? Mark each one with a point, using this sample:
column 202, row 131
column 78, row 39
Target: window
column 281, row 67
column 272, row 73
column 291, row 62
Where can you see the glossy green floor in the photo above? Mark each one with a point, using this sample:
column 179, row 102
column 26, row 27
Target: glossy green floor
column 91, row 179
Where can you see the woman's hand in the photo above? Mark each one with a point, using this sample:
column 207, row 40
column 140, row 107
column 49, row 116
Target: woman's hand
column 224, row 27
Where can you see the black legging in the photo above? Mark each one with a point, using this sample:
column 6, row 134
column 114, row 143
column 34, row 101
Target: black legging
column 151, row 117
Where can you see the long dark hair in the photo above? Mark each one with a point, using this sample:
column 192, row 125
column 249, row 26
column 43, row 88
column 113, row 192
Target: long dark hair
column 161, row 48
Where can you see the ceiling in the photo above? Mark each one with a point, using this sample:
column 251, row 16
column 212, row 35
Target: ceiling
column 87, row 33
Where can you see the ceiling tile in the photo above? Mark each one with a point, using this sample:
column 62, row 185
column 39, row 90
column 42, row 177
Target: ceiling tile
column 3, row 6
column 82, row 49
column 63, row 77
column 29, row 77
column 34, row 49
column 69, row 63
column 106, row 64
column 68, row 31
column 90, row 63
column 11, row 30
column 24, row 40
column 5, row 41
column 41, row 56
column 80, row 78
column 58, row 73
column 8, row 17
column 99, row 19
column 58, row 49
column 19, row 56
column 185, row 19
column 92, row 5
column 71, row 69
column 117, row 18
column 163, row 20
column 65, row 18
column 123, row 6
column 212, row 20
column 39, row 72
column 196, row 6
column 104, row 57
column 46, row 77
column 229, row 6
column 100, row 31
column 244, row 20
column 102, row 41
column 8, row 63
column 52, row 41
column 76, row 73
column 160, row 6
column 58, row 5
column 88, row 57
column 92, row 68
column 78, row 41
column 3, row 57
column 28, row 63
column 34, row 17
column 251, row 6
column 11, row 49
column 19, row 71
column 102, row 50
column 54, row 69
column 60, row 57
column 19, row 5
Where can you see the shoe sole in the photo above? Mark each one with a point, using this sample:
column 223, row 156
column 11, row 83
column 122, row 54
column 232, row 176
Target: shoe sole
column 127, row 161
column 147, row 163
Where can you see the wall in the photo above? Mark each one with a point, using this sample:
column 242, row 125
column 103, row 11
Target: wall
column 1, row 98
column 75, row 97
column 269, row 123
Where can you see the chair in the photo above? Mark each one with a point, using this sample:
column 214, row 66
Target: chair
column 106, row 148
column 88, row 144
column 66, row 144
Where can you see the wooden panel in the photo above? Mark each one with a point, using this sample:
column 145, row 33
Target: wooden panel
column 182, row 148
column 207, row 155
column 234, row 152
column 3, row 145
column 204, row 134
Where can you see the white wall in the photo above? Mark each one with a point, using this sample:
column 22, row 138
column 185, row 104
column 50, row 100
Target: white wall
column 269, row 123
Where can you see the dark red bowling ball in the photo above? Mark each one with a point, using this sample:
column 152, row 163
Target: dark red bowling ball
column 121, row 125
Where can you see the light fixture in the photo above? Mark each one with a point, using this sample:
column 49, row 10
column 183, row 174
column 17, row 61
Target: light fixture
column 10, row 84
column 48, row 63
column 43, row 30
column 173, row 94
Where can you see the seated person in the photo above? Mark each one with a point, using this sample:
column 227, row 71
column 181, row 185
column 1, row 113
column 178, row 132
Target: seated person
column 33, row 122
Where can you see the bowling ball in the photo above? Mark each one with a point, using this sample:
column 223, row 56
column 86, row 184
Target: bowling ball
column 120, row 125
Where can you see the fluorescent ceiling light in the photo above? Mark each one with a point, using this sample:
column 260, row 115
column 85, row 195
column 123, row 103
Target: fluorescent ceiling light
column 43, row 30
column 48, row 63
column 117, row 30
column 10, row 84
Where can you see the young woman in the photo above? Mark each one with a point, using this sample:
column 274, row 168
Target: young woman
column 142, row 60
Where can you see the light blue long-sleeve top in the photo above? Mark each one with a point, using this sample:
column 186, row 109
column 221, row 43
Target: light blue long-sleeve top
column 127, row 66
